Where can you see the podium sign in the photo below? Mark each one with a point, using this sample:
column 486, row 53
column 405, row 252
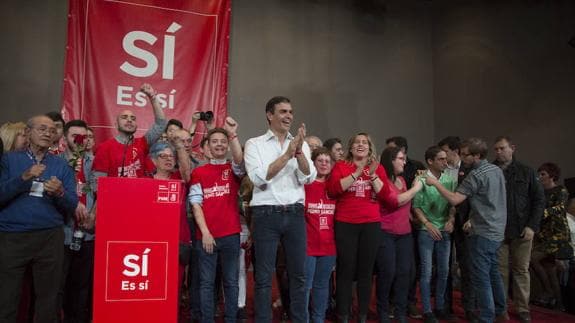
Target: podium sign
column 136, row 256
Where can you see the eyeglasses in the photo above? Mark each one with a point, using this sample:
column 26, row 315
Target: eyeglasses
column 43, row 130
column 166, row 156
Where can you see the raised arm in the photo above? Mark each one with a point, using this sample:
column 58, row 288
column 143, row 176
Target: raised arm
column 159, row 125
column 231, row 127
column 184, row 160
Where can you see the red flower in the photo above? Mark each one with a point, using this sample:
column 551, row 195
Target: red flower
column 79, row 139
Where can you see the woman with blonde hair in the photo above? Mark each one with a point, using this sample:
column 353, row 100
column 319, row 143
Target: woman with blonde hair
column 14, row 136
column 359, row 184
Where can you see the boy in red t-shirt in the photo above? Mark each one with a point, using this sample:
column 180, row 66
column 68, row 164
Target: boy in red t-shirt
column 214, row 198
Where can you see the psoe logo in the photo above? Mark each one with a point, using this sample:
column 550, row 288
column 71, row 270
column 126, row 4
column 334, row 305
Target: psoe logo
column 136, row 270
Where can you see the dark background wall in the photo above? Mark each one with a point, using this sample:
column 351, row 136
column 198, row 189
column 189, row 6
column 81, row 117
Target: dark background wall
column 347, row 67
column 506, row 68
column 419, row 68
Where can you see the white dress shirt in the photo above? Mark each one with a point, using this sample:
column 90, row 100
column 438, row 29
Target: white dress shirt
column 453, row 171
column 287, row 187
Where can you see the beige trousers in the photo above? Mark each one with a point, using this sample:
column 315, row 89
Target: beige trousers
column 516, row 254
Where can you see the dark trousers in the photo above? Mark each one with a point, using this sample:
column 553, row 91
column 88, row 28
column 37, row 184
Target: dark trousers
column 194, row 279
column 77, row 281
column 43, row 251
column 272, row 224
column 468, row 299
column 357, row 246
column 394, row 261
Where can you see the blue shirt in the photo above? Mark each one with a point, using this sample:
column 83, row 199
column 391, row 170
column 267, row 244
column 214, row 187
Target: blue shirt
column 87, row 160
column 21, row 212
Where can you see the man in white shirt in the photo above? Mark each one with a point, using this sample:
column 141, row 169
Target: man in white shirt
column 279, row 165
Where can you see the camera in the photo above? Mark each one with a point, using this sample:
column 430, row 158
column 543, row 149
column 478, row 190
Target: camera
column 206, row 116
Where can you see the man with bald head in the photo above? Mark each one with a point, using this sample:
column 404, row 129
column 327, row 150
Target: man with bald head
column 37, row 195
column 124, row 155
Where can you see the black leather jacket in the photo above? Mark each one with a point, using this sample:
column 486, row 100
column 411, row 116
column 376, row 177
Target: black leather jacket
column 525, row 199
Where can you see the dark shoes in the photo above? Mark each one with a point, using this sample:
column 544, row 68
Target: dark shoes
column 413, row 312
column 524, row 317
column 429, row 318
column 384, row 318
column 502, row 318
column 471, row 317
column 444, row 315
column 242, row 315
column 402, row 319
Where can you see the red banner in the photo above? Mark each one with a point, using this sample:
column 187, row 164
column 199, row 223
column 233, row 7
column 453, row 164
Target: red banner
column 178, row 46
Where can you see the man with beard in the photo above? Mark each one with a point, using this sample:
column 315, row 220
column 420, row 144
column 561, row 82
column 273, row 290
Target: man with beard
column 37, row 194
column 124, row 155
column 76, row 287
column 484, row 187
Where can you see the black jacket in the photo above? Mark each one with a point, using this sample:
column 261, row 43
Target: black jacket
column 525, row 199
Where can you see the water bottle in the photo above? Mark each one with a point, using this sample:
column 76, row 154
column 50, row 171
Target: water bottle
column 77, row 239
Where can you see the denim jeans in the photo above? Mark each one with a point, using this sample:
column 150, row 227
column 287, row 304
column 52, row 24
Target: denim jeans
column 486, row 278
column 427, row 248
column 317, row 272
column 393, row 266
column 272, row 223
column 228, row 249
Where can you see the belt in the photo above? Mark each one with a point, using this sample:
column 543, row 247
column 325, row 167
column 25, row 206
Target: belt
column 280, row 208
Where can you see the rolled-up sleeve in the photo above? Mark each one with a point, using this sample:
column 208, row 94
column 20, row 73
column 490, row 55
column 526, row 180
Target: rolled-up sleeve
column 257, row 172
column 239, row 169
column 301, row 177
column 196, row 196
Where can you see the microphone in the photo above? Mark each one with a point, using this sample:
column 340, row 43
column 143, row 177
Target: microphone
column 128, row 142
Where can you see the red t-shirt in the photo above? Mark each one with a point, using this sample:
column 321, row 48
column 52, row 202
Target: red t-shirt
column 396, row 220
column 111, row 153
column 319, row 218
column 220, row 187
column 359, row 203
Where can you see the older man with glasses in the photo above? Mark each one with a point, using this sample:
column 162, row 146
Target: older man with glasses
column 37, row 194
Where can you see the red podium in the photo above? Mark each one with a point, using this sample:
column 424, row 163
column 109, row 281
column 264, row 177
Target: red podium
column 136, row 256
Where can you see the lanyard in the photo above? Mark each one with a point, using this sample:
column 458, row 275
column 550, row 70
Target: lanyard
column 33, row 158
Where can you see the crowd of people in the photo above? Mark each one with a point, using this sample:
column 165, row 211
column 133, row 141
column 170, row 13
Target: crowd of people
column 324, row 217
